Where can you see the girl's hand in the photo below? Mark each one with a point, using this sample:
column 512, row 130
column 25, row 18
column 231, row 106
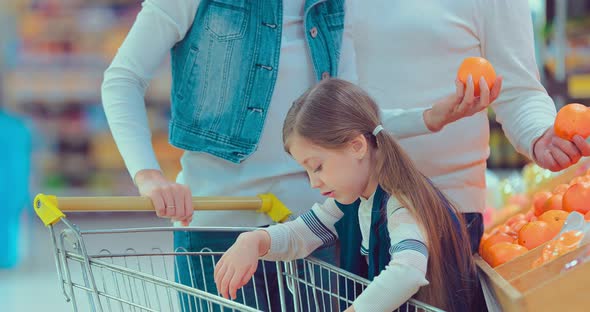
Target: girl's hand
column 239, row 262
column 171, row 200
column 462, row 104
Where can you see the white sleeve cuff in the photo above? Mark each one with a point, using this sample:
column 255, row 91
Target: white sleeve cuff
column 405, row 123
column 390, row 289
column 279, row 242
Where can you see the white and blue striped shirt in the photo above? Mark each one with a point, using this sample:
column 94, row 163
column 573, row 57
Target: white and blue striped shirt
column 402, row 277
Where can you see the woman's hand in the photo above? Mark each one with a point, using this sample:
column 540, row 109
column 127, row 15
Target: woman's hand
column 554, row 153
column 462, row 104
column 171, row 200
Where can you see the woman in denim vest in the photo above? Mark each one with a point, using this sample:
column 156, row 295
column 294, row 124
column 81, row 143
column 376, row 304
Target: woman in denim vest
column 237, row 66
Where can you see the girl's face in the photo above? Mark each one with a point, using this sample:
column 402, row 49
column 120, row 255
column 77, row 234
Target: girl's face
column 343, row 174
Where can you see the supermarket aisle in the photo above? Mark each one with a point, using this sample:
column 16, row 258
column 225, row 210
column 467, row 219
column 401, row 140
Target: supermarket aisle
column 33, row 285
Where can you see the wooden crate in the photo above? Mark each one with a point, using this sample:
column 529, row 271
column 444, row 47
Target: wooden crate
column 516, row 287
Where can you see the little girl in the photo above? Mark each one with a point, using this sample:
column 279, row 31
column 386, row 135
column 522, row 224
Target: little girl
column 414, row 242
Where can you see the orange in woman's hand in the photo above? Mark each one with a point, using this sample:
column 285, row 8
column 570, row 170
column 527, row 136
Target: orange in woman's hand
column 572, row 119
column 477, row 67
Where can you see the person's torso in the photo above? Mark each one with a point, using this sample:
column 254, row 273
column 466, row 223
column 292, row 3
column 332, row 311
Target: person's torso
column 269, row 169
column 408, row 54
column 236, row 57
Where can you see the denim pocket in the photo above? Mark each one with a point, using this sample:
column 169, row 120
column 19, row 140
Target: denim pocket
column 188, row 74
column 226, row 20
column 335, row 21
column 335, row 25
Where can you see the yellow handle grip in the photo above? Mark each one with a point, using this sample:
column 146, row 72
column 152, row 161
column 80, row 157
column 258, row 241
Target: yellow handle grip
column 50, row 208
column 141, row 203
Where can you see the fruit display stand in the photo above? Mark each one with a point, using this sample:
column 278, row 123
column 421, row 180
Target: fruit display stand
column 539, row 180
column 514, row 286
column 521, row 285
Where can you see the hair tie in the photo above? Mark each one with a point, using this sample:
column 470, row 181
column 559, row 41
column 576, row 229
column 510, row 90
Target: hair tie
column 377, row 130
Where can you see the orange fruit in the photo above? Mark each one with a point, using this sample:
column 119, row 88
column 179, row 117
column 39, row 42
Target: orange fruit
column 577, row 198
column 539, row 200
column 502, row 228
column 484, row 237
column 553, row 203
column 514, row 219
column 477, row 67
column 572, row 119
column 555, row 218
column 515, row 228
column 535, row 234
column 560, row 189
column 530, row 215
column 504, row 252
column 493, row 240
column 587, row 216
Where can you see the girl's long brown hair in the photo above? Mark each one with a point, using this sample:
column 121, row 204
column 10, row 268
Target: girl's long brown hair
column 334, row 112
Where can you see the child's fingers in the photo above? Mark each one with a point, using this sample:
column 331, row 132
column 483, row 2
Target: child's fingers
column 219, row 272
column 235, row 284
column 248, row 275
column 224, row 287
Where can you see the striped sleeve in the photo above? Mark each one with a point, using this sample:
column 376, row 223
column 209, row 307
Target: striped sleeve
column 409, row 258
column 300, row 237
column 408, row 243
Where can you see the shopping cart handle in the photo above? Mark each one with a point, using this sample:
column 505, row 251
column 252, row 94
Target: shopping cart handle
column 50, row 208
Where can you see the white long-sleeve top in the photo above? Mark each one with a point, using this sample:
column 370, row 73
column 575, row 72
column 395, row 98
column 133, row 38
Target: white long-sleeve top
column 408, row 54
column 401, row 278
column 162, row 23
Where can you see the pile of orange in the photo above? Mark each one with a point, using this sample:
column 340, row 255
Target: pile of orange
column 540, row 225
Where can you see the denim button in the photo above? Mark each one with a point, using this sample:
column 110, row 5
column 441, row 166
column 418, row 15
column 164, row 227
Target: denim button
column 325, row 75
column 313, row 32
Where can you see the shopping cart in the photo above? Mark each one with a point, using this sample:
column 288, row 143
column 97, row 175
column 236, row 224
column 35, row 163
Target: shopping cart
column 145, row 277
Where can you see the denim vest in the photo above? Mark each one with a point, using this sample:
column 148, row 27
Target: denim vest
column 225, row 68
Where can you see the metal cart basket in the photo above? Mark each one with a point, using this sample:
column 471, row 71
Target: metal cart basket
column 144, row 277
